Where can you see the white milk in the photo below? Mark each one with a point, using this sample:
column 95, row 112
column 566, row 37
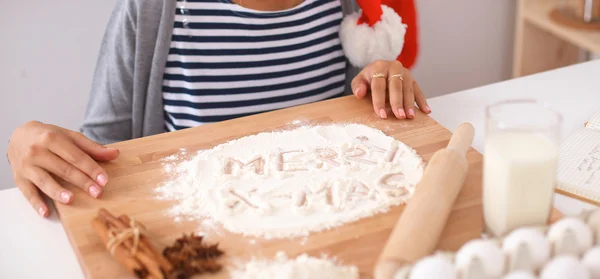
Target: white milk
column 519, row 180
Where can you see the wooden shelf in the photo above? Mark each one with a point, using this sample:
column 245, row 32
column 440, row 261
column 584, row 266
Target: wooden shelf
column 538, row 13
column 542, row 44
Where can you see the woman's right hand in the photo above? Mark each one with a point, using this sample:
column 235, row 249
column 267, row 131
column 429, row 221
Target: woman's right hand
column 39, row 152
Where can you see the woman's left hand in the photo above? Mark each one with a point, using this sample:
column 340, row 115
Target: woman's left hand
column 389, row 79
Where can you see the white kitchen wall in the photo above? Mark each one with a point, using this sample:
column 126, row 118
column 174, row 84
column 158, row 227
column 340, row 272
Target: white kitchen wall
column 47, row 54
column 464, row 44
column 49, row 48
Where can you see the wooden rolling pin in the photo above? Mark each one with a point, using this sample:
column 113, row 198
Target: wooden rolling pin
column 418, row 229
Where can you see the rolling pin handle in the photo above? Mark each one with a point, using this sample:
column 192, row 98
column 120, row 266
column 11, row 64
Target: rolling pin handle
column 441, row 183
column 462, row 138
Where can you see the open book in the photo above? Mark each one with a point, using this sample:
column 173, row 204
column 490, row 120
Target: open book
column 579, row 165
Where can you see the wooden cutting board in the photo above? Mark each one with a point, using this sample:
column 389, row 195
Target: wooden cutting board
column 138, row 171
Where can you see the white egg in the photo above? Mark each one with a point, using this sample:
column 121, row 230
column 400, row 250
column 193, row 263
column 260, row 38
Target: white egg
column 488, row 253
column 520, row 275
column 433, row 267
column 570, row 236
column 594, row 222
column 592, row 261
column 593, row 218
column 565, row 266
column 537, row 247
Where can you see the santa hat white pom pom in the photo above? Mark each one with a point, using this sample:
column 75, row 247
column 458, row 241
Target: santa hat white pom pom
column 364, row 44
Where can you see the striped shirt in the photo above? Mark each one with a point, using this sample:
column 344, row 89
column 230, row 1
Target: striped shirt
column 226, row 61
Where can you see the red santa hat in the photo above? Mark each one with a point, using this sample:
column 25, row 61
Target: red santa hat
column 382, row 29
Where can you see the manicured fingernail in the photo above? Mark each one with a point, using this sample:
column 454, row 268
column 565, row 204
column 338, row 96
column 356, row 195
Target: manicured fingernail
column 101, row 179
column 427, row 109
column 382, row 113
column 401, row 114
column 112, row 149
column 356, row 90
column 411, row 113
column 42, row 211
column 94, row 191
column 66, row 196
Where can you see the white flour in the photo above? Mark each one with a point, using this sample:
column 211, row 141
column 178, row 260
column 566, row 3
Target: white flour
column 291, row 183
column 303, row 267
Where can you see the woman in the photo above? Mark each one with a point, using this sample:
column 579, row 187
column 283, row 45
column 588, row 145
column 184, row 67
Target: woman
column 169, row 65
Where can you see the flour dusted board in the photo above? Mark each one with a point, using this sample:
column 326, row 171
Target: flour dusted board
column 138, row 171
column 285, row 184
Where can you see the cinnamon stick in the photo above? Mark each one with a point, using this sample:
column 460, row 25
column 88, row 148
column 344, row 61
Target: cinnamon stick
column 121, row 255
column 125, row 219
column 145, row 254
column 146, row 244
column 112, row 219
column 150, row 265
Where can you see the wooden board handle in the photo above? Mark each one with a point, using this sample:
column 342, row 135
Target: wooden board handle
column 420, row 226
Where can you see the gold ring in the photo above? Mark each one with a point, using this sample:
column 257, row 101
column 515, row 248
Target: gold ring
column 378, row 75
column 399, row 76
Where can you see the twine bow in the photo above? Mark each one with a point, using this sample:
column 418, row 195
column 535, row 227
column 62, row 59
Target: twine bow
column 117, row 238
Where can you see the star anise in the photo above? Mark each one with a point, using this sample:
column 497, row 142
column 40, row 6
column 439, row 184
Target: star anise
column 190, row 256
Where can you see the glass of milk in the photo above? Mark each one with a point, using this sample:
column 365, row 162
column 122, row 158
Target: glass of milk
column 520, row 164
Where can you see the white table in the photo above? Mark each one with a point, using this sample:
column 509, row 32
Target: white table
column 31, row 247
column 573, row 91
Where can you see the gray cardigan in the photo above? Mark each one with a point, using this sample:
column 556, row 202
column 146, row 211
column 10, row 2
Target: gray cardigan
column 126, row 96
